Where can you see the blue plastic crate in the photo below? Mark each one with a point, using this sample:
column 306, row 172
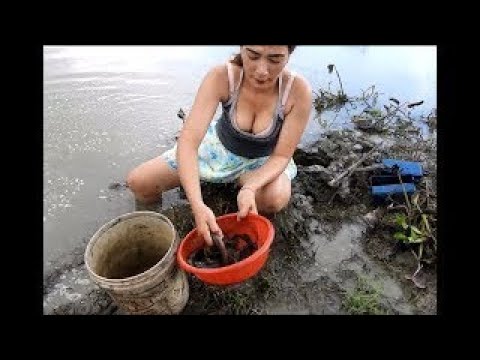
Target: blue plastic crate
column 392, row 179
column 406, row 168
column 382, row 191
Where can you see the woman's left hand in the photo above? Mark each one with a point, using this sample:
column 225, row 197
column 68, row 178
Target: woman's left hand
column 246, row 202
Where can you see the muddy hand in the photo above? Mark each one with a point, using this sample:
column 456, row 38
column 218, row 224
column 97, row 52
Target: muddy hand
column 246, row 202
column 206, row 223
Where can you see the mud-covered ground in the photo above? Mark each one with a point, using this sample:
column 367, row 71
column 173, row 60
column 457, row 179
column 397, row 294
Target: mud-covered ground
column 326, row 257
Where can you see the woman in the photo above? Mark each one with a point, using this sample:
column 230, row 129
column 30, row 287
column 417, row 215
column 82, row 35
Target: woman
column 265, row 111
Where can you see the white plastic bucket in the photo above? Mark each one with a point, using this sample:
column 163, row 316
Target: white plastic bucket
column 133, row 257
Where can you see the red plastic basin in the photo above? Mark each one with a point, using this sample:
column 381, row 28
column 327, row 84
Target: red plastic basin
column 258, row 228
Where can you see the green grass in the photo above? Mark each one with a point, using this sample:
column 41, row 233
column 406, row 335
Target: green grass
column 364, row 299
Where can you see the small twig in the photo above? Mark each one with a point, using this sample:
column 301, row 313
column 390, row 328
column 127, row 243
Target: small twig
column 427, row 186
column 427, row 226
column 405, row 194
column 340, row 81
column 370, row 168
column 350, row 170
column 414, row 254
column 419, row 267
column 415, row 104
column 316, row 94
column 332, row 197
column 414, row 280
column 391, row 207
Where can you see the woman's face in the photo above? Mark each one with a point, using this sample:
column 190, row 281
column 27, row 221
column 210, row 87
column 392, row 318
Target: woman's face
column 263, row 64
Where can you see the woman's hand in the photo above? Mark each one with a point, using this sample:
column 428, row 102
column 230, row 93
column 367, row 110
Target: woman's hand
column 206, row 222
column 246, row 202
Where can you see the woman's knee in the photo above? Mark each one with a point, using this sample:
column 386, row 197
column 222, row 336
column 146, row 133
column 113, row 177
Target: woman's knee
column 140, row 185
column 274, row 201
column 277, row 204
column 150, row 179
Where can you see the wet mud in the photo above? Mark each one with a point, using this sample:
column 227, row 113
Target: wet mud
column 326, row 258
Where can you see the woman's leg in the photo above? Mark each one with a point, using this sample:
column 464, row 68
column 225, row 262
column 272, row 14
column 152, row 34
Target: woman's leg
column 274, row 196
column 150, row 179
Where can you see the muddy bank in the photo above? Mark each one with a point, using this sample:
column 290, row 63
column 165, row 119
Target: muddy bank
column 328, row 256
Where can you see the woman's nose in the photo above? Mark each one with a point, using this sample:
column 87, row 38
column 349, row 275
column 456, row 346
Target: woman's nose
column 262, row 69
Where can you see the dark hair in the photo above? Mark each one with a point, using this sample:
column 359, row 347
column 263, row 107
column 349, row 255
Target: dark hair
column 237, row 58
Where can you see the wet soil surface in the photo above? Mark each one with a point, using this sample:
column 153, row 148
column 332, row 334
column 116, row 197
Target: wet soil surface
column 325, row 257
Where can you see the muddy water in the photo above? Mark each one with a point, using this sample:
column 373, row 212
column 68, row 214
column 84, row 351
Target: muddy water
column 107, row 109
column 335, row 263
column 339, row 256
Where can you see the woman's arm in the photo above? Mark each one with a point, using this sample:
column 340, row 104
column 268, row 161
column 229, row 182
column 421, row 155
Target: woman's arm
column 293, row 127
column 213, row 89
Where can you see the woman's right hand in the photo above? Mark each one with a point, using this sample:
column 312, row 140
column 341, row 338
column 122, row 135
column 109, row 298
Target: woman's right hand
column 206, row 222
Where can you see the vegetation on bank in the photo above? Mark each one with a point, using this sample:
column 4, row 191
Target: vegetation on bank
column 411, row 219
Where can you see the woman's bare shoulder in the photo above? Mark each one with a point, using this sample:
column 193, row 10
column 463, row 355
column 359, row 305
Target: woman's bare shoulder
column 219, row 72
column 301, row 87
column 300, row 93
column 219, row 75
